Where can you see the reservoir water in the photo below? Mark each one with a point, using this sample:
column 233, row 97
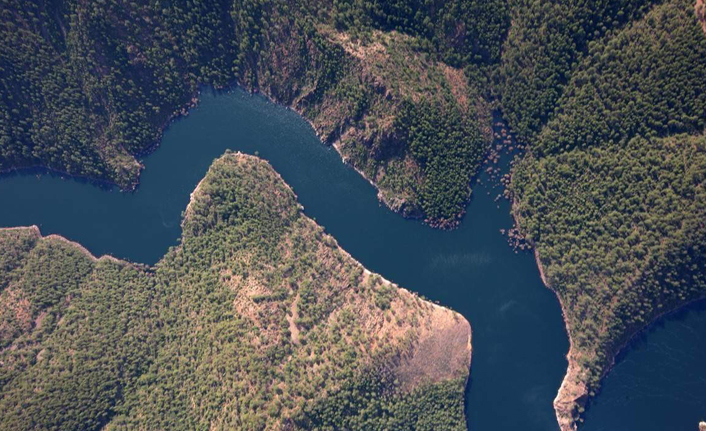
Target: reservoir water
column 519, row 342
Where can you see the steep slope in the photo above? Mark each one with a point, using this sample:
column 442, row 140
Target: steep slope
column 257, row 320
column 612, row 194
column 88, row 87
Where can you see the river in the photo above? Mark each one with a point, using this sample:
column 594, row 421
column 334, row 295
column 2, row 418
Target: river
column 519, row 342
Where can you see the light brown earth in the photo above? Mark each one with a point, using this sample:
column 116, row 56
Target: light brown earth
column 700, row 10
column 433, row 343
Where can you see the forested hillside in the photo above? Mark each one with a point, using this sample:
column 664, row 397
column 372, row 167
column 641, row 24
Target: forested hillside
column 403, row 89
column 257, row 320
column 545, row 44
column 612, row 194
column 86, row 87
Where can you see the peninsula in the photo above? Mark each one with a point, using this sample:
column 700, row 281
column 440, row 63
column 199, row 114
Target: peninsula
column 257, row 320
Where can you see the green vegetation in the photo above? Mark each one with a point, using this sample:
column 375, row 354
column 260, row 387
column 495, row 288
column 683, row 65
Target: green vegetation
column 258, row 320
column 367, row 122
column 75, row 333
column 462, row 32
column 368, row 404
column 610, row 97
column 545, row 43
column 444, row 144
column 613, row 196
column 86, row 87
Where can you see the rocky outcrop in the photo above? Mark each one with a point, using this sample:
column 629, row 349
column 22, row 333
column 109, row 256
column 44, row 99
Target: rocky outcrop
column 572, row 394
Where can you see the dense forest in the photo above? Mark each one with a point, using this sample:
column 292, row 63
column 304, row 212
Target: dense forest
column 543, row 48
column 256, row 321
column 612, row 193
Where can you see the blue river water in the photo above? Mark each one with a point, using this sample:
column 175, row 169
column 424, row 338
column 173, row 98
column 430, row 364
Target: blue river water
column 519, row 340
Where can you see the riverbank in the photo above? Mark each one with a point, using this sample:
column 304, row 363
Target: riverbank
column 342, row 318
column 572, row 392
column 436, row 347
column 336, row 144
column 441, row 347
column 55, row 237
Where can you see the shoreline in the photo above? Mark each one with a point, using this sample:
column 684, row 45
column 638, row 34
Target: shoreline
column 568, row 392
column 105, row 183
column 43, row 170
column 335, row 144
column 571, row 393
column 430, row 305
column 56, row 237
column 193, row 102
column 397, row 209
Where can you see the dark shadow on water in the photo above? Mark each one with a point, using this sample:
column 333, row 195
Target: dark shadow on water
column 40, row 172
column 658, row 377
column 679, row 315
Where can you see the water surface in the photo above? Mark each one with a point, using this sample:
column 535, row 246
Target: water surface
column 659, row 382
column 519, row 342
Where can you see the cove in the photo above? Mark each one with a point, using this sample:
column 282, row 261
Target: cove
column 519, row 341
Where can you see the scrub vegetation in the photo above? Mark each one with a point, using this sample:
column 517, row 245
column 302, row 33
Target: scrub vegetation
column 256, row 321
column 612, row 194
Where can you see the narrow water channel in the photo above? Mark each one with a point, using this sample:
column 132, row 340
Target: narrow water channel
column 519, row 342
